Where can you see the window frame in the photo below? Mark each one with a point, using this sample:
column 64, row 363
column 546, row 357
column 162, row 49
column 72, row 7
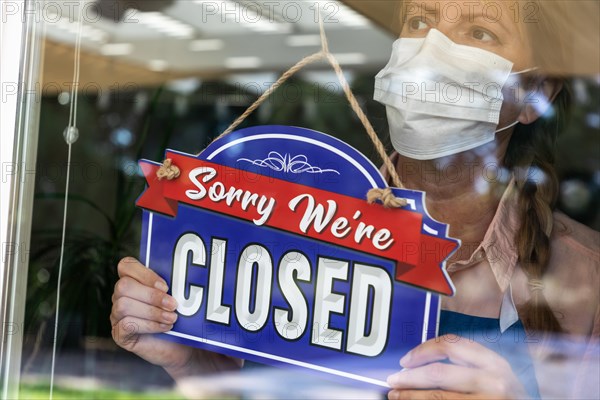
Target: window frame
column 21, row 52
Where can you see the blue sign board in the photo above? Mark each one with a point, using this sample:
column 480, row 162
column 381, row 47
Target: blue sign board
column 273, row 254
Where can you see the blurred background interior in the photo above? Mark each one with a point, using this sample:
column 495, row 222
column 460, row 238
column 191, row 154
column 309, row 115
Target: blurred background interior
column 174, row 74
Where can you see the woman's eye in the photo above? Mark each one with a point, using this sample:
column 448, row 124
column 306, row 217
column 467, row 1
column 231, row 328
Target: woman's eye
column 417, row 24
column 483, row 35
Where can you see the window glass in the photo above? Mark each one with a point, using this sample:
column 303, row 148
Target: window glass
column 174, row 74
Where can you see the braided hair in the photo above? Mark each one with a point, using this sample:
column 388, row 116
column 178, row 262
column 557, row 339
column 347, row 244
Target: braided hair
column 530, row 155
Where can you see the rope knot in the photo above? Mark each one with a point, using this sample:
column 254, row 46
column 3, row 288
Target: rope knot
column 386, row 197
column 168, row 170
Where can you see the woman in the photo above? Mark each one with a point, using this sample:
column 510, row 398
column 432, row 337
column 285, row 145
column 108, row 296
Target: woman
column 521, row 269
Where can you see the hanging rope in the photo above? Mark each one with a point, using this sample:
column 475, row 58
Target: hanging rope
column 384, row 195
column 286, row 75
column 70, row 134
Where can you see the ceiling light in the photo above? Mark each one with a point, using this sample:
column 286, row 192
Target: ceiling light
column 116, row 49
column 185, row 86
column 350, row 58
column 157, row 65
column 242, row 62
column 206, row 45
column 237, row 12
column 87, row 31
column 165, row 24
column 303, row 40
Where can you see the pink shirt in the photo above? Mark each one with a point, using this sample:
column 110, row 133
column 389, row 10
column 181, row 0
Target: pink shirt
column 491, row 283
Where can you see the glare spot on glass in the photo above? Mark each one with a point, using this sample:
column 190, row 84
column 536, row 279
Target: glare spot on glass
column 597, row 177
column 221, row 110
column 121, row 137
column 575, row 195
column 593, row 120
column 130, row 167
column 141, row 102
column 64, row 98
column 181, row 105
column 113, row 119
column 580, row 90
column 103, row 100
column 504, row 175
column 541, row 104
column 482, row 186
column 537, row 175
column 46, row 309
column 236, row 150
column 43, row 276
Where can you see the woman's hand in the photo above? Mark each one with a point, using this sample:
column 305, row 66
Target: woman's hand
column 141, row 307
column 475, row 372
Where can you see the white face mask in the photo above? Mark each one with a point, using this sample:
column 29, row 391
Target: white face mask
column 442, row 98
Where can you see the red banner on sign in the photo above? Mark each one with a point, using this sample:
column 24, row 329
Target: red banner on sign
column 394, row 234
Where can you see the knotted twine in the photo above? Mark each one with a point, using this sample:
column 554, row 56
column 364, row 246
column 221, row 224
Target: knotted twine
column 387, row 198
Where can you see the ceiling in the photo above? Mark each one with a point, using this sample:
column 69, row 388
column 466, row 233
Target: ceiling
column 207, row 39
column 162, row 40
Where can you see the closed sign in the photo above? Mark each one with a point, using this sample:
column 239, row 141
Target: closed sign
column 274, row 255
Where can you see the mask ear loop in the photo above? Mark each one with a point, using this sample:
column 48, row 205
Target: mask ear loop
column 524, row 71
column 385, row 195
column 507, row 127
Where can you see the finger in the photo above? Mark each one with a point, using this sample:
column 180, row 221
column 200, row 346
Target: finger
column 128, row 307
column 126, row 331
column 131, row 267
column 459, row 350
column 448, row 377
column 129, row 287
column 431, row 395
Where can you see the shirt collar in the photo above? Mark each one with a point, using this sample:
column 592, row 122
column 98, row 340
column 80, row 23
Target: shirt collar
column 499, row 240
column 498, row 245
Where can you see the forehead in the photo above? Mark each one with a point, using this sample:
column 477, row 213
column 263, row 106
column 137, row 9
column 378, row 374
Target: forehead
column 510, row 15
column 451, row 10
